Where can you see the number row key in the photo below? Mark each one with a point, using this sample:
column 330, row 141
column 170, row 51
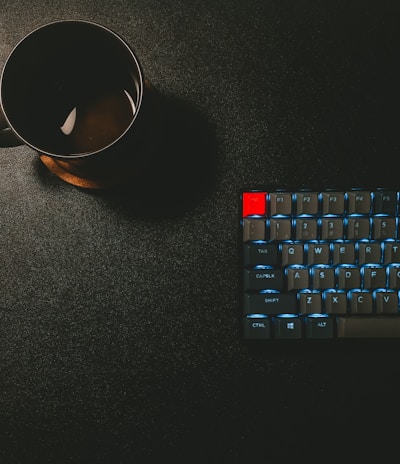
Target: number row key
column 327, row 228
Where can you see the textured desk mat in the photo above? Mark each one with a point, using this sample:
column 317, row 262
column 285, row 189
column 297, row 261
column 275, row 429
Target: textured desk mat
column 120, row 309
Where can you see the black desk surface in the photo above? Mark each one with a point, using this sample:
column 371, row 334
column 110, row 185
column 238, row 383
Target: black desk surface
column 119, row 332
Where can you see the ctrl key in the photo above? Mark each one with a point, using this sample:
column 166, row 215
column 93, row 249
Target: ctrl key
column 256, row 327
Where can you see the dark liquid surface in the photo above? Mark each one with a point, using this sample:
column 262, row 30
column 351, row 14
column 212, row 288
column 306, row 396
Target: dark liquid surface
column 95, row 123
column 78, row 100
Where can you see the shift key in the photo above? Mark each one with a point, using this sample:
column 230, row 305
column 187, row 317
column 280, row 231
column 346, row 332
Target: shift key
column 263, row 279
column 269, row 303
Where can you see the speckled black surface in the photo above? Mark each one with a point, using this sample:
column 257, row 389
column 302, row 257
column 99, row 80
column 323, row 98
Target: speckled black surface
column 119, row 333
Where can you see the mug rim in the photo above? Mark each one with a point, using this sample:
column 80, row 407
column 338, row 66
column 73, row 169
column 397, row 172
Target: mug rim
column 138, row 104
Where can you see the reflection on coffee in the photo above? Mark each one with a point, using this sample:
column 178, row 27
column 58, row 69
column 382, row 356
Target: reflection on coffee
column 96, row 122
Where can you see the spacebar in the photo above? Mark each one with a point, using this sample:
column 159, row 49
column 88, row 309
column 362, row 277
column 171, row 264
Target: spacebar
column 368, row 327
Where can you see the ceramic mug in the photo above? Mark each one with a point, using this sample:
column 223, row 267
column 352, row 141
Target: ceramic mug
column 74, row 92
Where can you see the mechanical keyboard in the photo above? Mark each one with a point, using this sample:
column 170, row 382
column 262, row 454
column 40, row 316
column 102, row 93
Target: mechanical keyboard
column 320, row 264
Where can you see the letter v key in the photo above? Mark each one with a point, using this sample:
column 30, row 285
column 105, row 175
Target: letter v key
column 387, row 302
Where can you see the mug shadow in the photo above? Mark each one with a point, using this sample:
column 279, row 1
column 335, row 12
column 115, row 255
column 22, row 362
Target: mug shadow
column 179, row 168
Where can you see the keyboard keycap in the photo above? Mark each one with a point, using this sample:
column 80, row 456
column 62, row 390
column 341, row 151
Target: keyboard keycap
column 344, row 253
column 297, row 278
column 385, row 202
column 323, row 277
column 280, row 203
column 349, row 277
column 335, row 302
column 260, row 254
column 306, row 229
column 310, row 303
column 253, row 229
column 263, row 279
column 387, row 302
column 292, row 253
column 360, row 303
column 318, row 253
column 256, row 328
column 319, row 327
column 254, row 203
column 370, row 253
column 307, row 203
column 368, row 327
column 392, row 252
column 359, row 202
column 288, row 327
column 333, row 203
column 280, row 229
column 394, row 277
column 269, row 303
column 332, row 229
column 358, row 228
column 384, row 228
column 374, row 277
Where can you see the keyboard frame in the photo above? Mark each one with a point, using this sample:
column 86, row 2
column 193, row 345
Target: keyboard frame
column 335, row 341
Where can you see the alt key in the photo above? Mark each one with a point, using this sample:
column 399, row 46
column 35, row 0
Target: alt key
column 319, row 326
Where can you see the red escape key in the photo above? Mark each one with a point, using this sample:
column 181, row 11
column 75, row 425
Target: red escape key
column 254, row 203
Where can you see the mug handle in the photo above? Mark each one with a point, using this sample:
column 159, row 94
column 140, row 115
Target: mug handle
column 7, row 136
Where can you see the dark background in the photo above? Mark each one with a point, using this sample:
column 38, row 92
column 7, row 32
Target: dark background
column 119, row 310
